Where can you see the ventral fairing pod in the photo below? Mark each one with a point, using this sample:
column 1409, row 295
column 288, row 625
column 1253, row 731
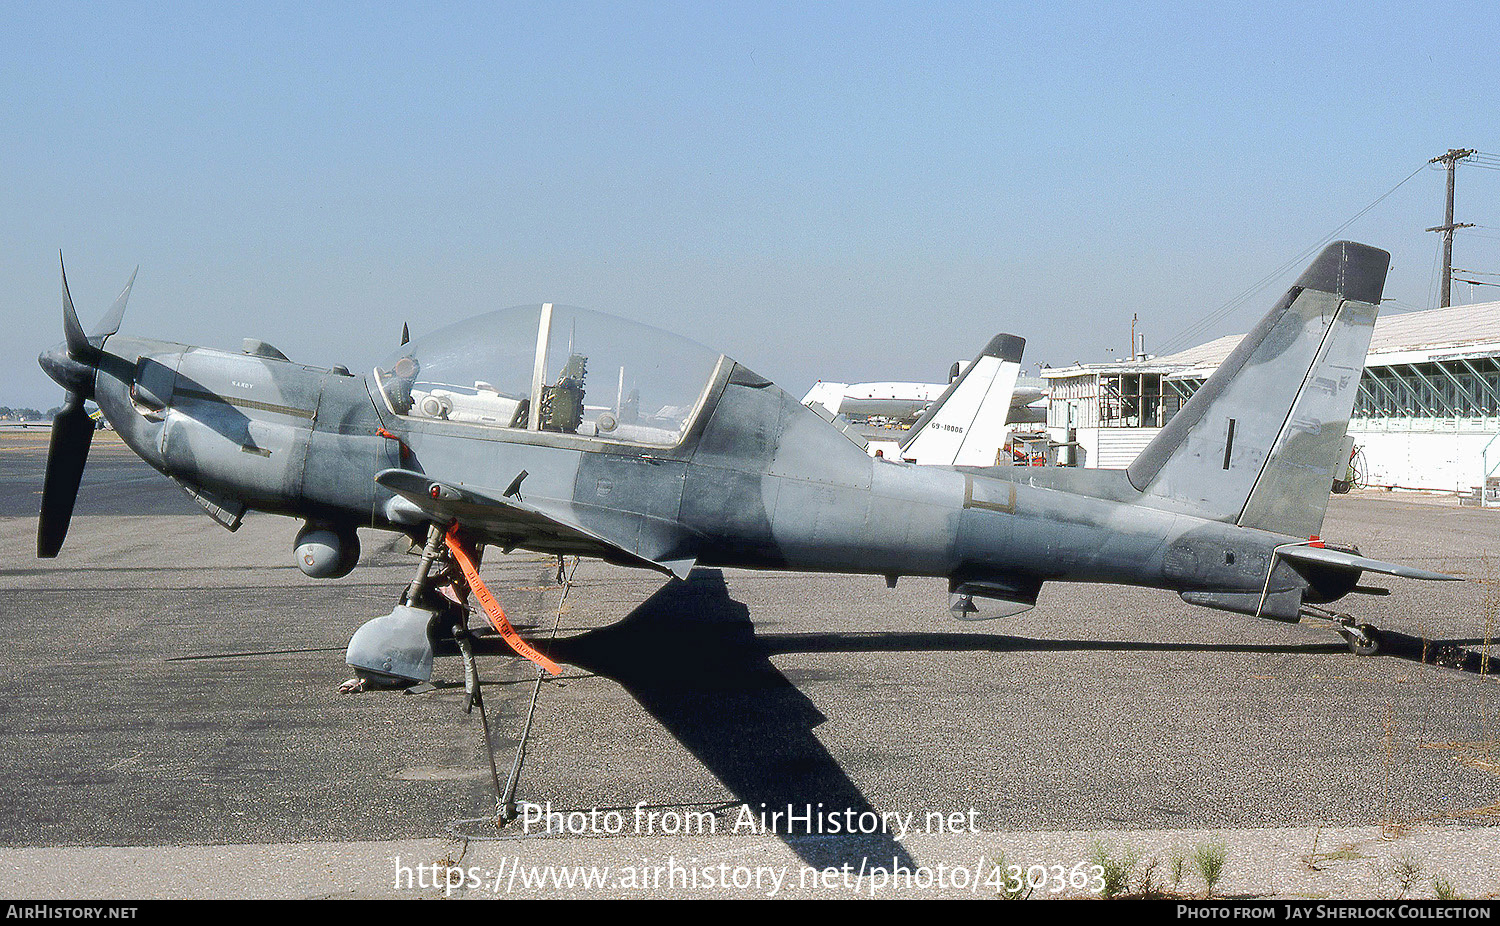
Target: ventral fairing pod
column 326, row 552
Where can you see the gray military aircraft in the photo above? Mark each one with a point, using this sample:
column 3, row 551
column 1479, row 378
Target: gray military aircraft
column 567, row 432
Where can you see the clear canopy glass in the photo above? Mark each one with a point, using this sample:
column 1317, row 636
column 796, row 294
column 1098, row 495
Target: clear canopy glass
column 552, row 368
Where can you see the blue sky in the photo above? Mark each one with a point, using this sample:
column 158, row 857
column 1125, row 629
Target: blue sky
column 847, row 191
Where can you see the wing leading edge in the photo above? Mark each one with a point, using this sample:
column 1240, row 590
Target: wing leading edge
column 512, row 522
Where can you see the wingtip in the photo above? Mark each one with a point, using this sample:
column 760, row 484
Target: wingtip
column 680, row 568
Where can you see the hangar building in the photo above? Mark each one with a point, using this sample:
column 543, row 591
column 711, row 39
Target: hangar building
column 1427, row 415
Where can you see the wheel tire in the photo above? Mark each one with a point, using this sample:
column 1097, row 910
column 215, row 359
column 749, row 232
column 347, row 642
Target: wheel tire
column 1370, row 634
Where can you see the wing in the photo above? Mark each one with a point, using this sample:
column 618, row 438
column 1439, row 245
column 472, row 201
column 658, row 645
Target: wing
column 511, row 522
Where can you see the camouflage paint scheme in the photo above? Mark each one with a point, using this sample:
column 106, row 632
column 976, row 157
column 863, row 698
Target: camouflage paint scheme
column 1219, row 507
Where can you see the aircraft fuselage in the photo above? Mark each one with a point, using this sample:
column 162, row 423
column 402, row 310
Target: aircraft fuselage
column 759, row 482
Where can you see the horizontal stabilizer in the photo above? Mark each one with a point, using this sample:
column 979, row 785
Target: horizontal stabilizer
column 1323, row 556
column 826, row 395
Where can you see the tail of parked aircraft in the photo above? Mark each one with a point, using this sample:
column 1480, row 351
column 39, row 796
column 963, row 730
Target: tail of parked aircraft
column 828, row 395
column 966, row 425
column 1259, row 444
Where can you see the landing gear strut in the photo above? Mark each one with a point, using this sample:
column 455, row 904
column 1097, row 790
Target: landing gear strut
column 1363, row 639
column 396, row 651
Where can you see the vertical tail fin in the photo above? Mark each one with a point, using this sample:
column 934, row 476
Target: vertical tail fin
column 828, row 395
column 966, row 425
column 1259, row 444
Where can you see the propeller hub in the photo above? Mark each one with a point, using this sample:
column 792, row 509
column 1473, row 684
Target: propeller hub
column 76, row 377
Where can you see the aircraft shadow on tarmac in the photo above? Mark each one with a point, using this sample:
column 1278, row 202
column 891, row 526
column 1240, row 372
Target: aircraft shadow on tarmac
column 691, row 657
column 1449, row 654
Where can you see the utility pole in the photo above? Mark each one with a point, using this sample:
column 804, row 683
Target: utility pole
column 1450, row 161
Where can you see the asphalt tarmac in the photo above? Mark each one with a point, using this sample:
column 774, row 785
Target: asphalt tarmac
column 170, row 684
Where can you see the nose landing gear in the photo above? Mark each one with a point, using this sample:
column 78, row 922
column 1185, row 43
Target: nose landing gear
column 432, row 618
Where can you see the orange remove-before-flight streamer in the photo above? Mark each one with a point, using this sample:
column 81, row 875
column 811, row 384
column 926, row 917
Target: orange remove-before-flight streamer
column 492, row 607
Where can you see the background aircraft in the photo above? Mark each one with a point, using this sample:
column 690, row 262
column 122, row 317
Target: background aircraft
column 901, row 402
column 568, row 432
column 966, row 424
column 897, row 402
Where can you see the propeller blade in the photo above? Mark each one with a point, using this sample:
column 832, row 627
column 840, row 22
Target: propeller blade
column 111, row 321
column 79, row 347
column 72, row 433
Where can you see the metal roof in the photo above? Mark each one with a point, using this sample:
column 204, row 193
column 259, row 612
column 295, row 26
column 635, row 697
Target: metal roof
column 1459, row 330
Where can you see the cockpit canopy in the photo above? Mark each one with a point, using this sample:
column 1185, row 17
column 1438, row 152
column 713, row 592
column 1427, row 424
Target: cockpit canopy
column 552, row 368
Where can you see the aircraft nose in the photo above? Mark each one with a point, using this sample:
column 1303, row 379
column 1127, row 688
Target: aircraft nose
column 66, row 372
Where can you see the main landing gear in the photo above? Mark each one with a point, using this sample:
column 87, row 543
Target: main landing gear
column 1363, row 639
column 396, row 651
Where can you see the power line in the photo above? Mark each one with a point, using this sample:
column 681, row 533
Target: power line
column 1483, row 159
column 1182, row 338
